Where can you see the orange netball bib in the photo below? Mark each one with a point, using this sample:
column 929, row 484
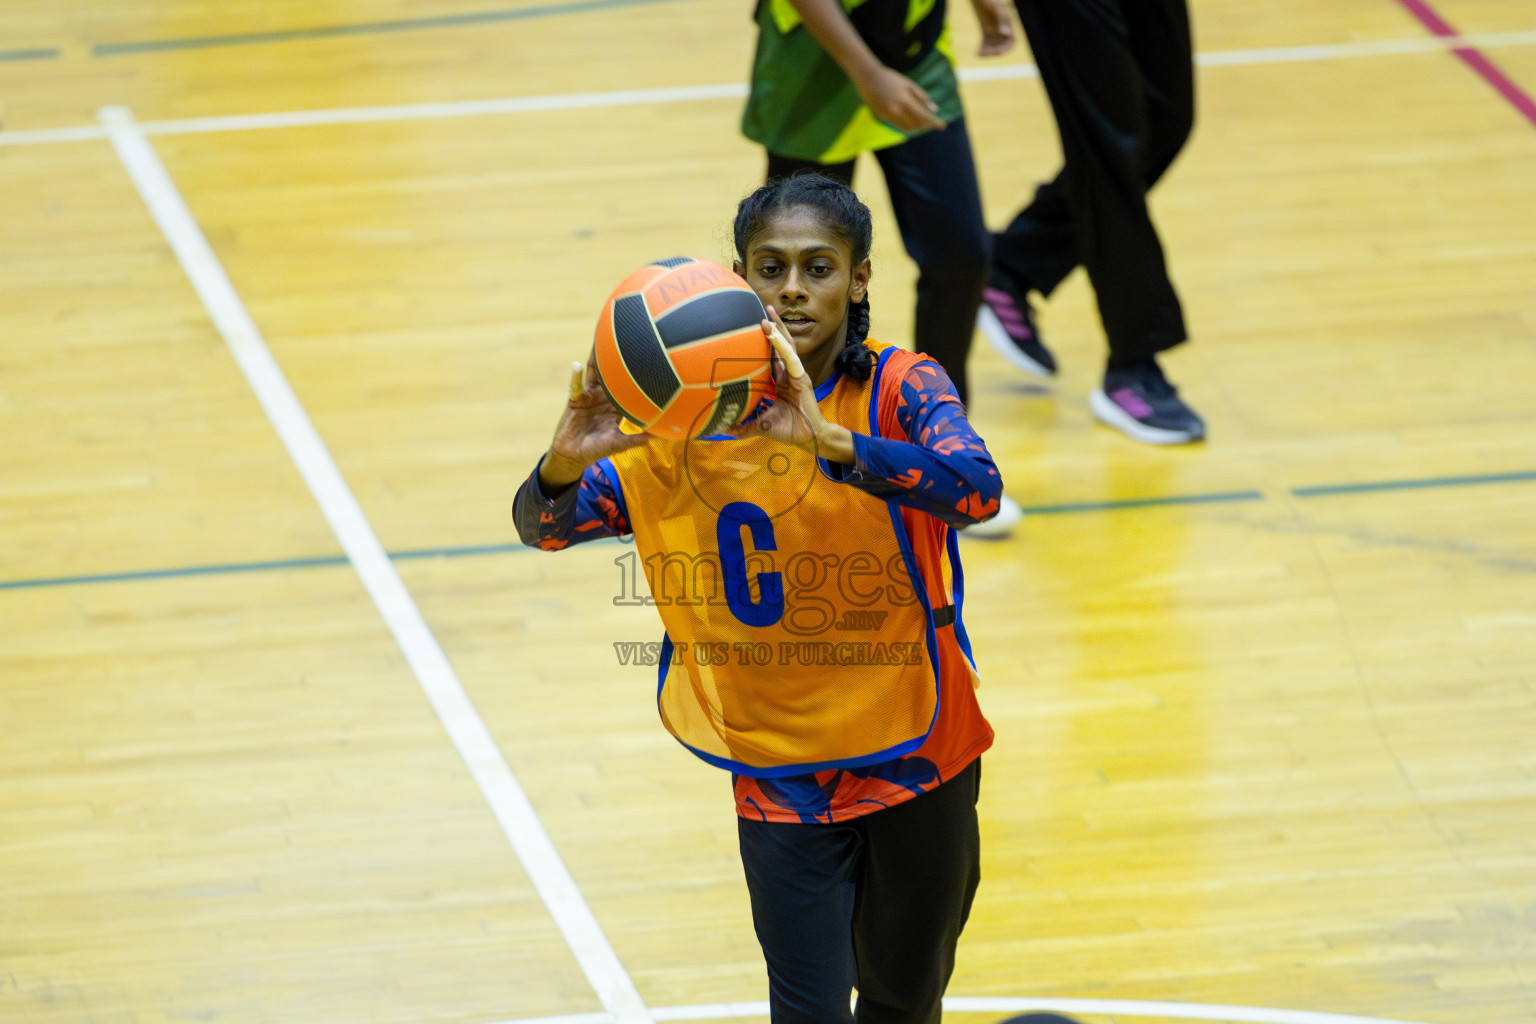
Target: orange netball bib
column 798, row 627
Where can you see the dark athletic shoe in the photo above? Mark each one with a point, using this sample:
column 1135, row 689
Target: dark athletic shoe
column 1009, row 324
column 1140, row 403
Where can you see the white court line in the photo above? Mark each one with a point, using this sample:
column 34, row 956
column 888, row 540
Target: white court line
column 462, row 722
column 1364, row 48
column 1174, row 1011
column 738, row 90
column 462, row 108
column 727, row 90
column 996, row 1004
column 42, row 135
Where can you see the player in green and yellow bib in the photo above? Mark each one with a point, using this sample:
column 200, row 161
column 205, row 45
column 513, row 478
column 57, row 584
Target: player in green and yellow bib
column 806, row 570
column 805, row 106
column 832, row 79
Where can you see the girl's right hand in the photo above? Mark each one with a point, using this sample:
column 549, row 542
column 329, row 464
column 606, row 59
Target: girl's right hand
column 898, row 101
column 588, row 431
column 794, row 417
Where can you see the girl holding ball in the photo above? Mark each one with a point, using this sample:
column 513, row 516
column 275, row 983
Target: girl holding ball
column 855, row 778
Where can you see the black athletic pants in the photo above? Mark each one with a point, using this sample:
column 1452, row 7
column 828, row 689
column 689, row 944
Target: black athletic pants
column 876, row 903
column 932, row 183
column 1120, row 78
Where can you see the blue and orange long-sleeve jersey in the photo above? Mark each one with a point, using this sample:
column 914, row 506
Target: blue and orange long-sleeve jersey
column 824, row 703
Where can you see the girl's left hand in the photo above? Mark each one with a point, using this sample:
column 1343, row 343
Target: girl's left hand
column 996, row 26
column 794, row 417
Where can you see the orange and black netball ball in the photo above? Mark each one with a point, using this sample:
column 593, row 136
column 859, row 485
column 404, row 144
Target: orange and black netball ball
column 680, row 348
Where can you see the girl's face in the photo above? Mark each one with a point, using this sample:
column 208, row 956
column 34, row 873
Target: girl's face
column 805, row 271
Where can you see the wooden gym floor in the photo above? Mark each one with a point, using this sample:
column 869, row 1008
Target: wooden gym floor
column 295, row 732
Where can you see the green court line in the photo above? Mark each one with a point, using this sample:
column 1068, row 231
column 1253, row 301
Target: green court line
column 365, row 28
column 191, row 570
column 1111, row 506
column 1412, row 485
column 321, row 562
column 478, row 549
column 509, row 548
column 38, row 54
column 469, row 551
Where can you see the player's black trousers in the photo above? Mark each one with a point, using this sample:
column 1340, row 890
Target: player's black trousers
column 931, row 180
column 876, row 903
column 1120, row 78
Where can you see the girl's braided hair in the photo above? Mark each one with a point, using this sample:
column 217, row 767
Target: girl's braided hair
column 847, row 216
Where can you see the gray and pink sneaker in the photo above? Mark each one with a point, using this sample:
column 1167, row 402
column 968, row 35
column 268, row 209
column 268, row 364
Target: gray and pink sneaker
column 1140, row 403
column 1008, row 323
